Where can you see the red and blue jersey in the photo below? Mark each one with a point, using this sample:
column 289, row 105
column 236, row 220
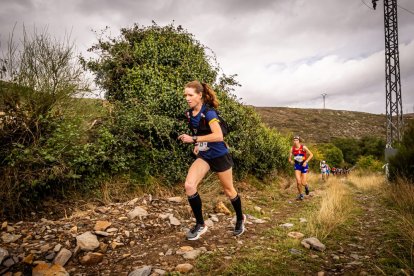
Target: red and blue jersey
column 299, row 154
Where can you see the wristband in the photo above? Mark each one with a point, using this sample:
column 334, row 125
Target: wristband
column 195, row 139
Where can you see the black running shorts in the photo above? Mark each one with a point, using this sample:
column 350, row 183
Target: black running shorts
column 220, row 164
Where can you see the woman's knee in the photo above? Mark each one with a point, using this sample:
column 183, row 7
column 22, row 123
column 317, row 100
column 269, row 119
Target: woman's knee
column 190, row 187
column 230, row 192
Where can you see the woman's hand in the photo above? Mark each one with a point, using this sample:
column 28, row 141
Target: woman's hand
column 304, row 164
column 185, row 138
column 195, row 150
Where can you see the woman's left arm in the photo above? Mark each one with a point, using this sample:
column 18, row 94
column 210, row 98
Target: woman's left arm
column 309, row 153
column 216, row 135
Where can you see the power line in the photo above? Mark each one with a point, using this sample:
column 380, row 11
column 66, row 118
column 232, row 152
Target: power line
column 401, row 7
column 407, row 10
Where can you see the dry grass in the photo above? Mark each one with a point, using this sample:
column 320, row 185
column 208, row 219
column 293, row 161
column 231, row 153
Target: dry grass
column 402, row 196
column 335, row 209
column 367, row 182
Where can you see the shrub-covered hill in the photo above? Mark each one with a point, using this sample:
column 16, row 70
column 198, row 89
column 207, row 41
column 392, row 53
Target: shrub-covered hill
column 322, row 125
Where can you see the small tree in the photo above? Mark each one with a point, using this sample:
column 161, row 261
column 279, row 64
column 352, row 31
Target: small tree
column 369, row 163
column 331, row 154
column 143, row 72
column 38, row 78
column 350, row 148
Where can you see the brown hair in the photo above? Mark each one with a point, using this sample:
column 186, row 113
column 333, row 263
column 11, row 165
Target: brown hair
column 209, row 96
column 301, row 140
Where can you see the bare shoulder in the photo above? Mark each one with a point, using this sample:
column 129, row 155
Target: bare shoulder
column 305, row 148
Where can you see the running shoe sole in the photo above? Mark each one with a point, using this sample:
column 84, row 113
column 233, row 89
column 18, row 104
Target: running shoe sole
column 199, row 234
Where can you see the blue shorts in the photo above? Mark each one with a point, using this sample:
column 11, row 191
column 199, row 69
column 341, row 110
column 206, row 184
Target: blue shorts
column 299, row 167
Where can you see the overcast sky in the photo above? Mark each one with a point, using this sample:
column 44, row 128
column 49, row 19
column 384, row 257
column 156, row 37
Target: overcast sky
column 285, row 52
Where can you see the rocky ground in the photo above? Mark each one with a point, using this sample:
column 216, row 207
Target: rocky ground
column 146, row 236
column 145, row 233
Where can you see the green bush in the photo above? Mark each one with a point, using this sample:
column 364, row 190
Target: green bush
column 350, row 148
column 402, row 164
column 369, row 163
column 143, row 73
column 353, row 148
column 38, row 81
column 49, row 144
column 330, row 153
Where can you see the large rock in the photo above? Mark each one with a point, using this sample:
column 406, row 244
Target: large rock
column 87, row 241
column 62, row 257
column 174, row 221
column 92, row 258
column 184, row 268
column 102, row 225
column 137, row 212
column 192, row 255
column 3, row 254
column 209, row 223
column 296, row 235
column 57, row 247
column 44, row 269
column 176, row 199
column 9, row 238
column 184, row 249
column 313, row 243
column 143, row 271
column 221, row 208
column 10, row 261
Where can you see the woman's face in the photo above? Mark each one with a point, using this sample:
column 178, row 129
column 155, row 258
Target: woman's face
column 296, row 142
column 192, row 97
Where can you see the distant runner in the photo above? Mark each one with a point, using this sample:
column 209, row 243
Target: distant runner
column 324, row 169
column 301, row 157
column 328, row 171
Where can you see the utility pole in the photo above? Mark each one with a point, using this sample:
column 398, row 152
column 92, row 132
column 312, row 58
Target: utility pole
column 394, row 111
column 324, row 95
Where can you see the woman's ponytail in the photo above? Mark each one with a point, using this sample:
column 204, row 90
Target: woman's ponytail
column 209, row 95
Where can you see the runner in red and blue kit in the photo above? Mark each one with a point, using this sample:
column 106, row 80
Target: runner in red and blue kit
column 301, row 157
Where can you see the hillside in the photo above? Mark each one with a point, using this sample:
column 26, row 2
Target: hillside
column 321, row 125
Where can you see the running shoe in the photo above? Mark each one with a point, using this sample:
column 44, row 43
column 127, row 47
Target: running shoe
column 239, row 228
column 307, row 189
column 300, row 197
column 196, row 232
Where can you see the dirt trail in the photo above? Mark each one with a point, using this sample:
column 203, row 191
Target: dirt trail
column 128, row 243
column 153, row 239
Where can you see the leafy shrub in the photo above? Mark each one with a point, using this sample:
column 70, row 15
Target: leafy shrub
column 369, row 163
column 402, row 163
column 328, row 152
column 38, row 80
column 353, row 148
column 143, row 73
